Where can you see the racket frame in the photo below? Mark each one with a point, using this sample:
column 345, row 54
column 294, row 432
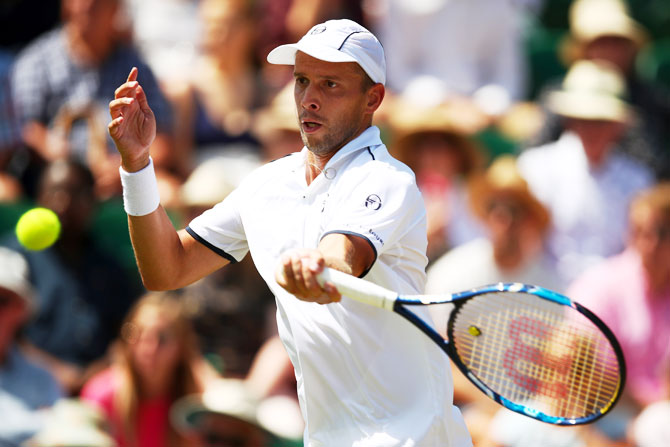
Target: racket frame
column 401, row 303
column 375, row 295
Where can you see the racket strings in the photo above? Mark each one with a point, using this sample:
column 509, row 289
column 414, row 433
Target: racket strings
column 538, row 353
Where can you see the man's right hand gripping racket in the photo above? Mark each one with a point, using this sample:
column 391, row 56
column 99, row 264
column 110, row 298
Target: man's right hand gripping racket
column 532, row 350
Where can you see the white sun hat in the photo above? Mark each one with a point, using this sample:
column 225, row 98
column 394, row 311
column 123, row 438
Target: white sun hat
column 593, row 91
column 340, row 40
column 278, row 416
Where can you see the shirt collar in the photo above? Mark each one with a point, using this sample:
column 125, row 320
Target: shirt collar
column 368, row 138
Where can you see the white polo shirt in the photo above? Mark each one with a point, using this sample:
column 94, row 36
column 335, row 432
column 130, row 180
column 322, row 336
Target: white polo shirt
column 366, row 377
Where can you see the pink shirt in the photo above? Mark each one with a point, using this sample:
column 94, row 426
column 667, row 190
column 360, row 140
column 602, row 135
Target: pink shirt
column 153, row 414
column 617, row 291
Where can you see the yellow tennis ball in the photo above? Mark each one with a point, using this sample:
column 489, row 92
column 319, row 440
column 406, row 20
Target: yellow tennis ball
column 38, row 228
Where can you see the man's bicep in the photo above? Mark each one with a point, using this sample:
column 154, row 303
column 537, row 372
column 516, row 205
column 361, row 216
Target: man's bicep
column 199, row 260
column 349, row 253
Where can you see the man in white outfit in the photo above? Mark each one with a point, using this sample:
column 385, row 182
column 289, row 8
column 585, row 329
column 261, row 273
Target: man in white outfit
column 365, row 376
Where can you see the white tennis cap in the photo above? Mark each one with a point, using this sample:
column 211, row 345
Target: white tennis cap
column 337, row 41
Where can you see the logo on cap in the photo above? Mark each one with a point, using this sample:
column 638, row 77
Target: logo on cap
column 318, row 29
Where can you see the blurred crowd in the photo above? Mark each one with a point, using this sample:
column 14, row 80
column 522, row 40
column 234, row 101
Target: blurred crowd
column 539, row 132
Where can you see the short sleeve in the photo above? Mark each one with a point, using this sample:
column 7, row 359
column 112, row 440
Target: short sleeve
column 220, row 228
column 383, row 207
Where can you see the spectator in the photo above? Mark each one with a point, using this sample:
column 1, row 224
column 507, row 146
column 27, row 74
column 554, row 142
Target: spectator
column 25, row 388
column 71, row 70
column 488, row 65
column 631, row 293
column 512, row 250
column 215, row 105
column 232, row 310
column 83, row 293
column 581, row 178
column 166, row 33
column 604, row 30
column 436, row 142
column 156, row 362
column 276, row 126
column 10, row 138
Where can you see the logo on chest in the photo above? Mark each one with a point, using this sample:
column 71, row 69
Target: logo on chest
column 373, row 202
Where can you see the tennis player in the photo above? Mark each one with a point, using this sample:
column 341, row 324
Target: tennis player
column 365, row 376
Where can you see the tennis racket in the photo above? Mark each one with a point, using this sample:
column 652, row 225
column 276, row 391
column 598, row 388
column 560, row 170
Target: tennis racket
column 532, row 350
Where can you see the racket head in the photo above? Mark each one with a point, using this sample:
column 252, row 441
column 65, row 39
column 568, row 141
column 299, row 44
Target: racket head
column 536, row 352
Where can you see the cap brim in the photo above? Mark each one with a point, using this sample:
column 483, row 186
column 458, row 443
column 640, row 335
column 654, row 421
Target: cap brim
column 285, row 54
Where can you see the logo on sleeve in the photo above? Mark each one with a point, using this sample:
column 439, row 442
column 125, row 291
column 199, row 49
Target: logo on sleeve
column 373, row 201
column 318, row 29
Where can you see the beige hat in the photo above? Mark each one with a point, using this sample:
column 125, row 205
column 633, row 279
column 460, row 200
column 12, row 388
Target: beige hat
column 213, row 179
column 408, row 121
column 504, row 178
column 592, row 90
column 278, row 416
column 14, row 274
column 281, row 114
column 73, row 423
column 590, row 19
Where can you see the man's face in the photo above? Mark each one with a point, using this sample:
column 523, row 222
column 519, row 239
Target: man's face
column 333, row 107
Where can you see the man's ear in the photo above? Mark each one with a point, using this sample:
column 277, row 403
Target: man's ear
column 375, row 97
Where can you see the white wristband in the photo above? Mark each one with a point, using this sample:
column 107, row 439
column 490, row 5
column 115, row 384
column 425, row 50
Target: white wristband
column 140, row 190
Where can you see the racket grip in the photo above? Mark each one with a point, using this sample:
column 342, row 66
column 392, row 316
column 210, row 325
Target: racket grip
column 359, row 289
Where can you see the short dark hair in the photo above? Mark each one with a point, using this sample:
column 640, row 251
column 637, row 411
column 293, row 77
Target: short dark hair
column 367, row 81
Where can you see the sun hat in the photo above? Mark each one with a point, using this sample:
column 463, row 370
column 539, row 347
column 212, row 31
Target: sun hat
column 73, row 422
column 278, row 416
column 213, row 179
column 503, row 178
column 409, row 122
column 280, row 115
column 14, row 274
column 340, row 40
column 592, row 90
column 591, row 19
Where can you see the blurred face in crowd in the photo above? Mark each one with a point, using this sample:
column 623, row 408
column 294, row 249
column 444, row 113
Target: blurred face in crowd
column 68, row 191
column 598, row 137
column 438, row 154
column 618, row 50
column 154, row 343
column 335, row 102
column 13, row 313
column 95, row 21
column 650, row 236
column 514, row 230
column 227, row 30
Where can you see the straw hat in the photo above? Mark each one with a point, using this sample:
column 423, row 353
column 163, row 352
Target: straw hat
column 280, row 115
column 410, row 121
column 502, row 178
column 278, row 416
column 213, row 179
column 592, row 90
column 591, row 19
column 73, row 423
